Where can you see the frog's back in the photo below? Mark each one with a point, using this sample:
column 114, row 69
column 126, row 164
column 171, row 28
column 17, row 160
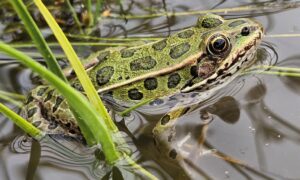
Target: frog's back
column 148, row 71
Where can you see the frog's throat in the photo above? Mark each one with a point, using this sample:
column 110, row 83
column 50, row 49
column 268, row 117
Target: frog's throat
column 231, row 66
column 188, row 61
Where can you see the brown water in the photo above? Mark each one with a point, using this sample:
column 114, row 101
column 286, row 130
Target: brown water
column 254, row 134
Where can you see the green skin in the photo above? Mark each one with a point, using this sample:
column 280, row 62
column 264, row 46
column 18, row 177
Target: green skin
column 184, row 62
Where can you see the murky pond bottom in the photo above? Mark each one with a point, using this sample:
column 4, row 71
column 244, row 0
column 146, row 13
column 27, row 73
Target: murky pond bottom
column 254, row 131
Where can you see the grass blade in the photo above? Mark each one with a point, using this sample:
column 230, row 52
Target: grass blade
column 22, row 123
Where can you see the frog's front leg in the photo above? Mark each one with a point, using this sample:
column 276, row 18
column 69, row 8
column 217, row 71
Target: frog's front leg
column 164, row 132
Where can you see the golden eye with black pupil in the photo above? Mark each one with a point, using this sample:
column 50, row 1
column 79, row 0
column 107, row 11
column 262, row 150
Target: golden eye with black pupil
column 218, row 45
column 245, row 31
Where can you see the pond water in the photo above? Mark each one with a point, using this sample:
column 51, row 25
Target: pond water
column 254, row 132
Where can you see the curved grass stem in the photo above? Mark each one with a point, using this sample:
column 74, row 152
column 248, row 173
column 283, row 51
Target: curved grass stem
column 22, row 123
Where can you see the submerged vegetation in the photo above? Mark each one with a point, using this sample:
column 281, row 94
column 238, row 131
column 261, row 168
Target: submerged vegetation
column 81, row 26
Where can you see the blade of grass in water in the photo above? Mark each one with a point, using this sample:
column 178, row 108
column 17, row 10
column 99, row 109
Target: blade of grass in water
column 13, row 95
column 94, row 128
column 11, row 100
column 289, row 74
column 22, row 123
column 37, row 37
column 279, row 68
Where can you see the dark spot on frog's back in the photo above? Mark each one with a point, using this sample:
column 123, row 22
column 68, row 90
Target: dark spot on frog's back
column 77, row 86
column 29, row 98
column 49, row 95
column 144, row 63
column 52, row 125
column 186, row 34
column 31, row 112
column 185, row 110
column 174, row 80
column 103, row 56
column 211, row 22
column 135, row 94
column 160, row 45
column 104, row 75
column 41, row 91
column 179, row 50
column 236, row 23
column 173, row 154
column 150, row 83
column 37, row 123
column 58, row 101
column 68, row 125
column 126, row 53
column 164, row 120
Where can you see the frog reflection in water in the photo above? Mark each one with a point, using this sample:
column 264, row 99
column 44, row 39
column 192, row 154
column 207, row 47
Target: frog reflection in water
column 197, row 59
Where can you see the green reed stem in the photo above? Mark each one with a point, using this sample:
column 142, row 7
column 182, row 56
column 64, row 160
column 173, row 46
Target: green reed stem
column 11, row 100
column 13, row 95
column 74, row 16
column 22, row 123
column 90, row 12
column 98, row 10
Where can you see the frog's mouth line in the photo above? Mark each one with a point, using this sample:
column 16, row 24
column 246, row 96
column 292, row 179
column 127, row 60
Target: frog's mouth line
column 228, row 71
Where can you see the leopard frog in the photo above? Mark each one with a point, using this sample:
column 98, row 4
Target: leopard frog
column 195, row 59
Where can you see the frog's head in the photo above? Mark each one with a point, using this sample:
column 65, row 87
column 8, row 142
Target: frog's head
column 228, row 45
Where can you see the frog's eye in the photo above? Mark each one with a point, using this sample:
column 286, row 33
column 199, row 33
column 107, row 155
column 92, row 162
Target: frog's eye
column 218, row 45
column 245, row 31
